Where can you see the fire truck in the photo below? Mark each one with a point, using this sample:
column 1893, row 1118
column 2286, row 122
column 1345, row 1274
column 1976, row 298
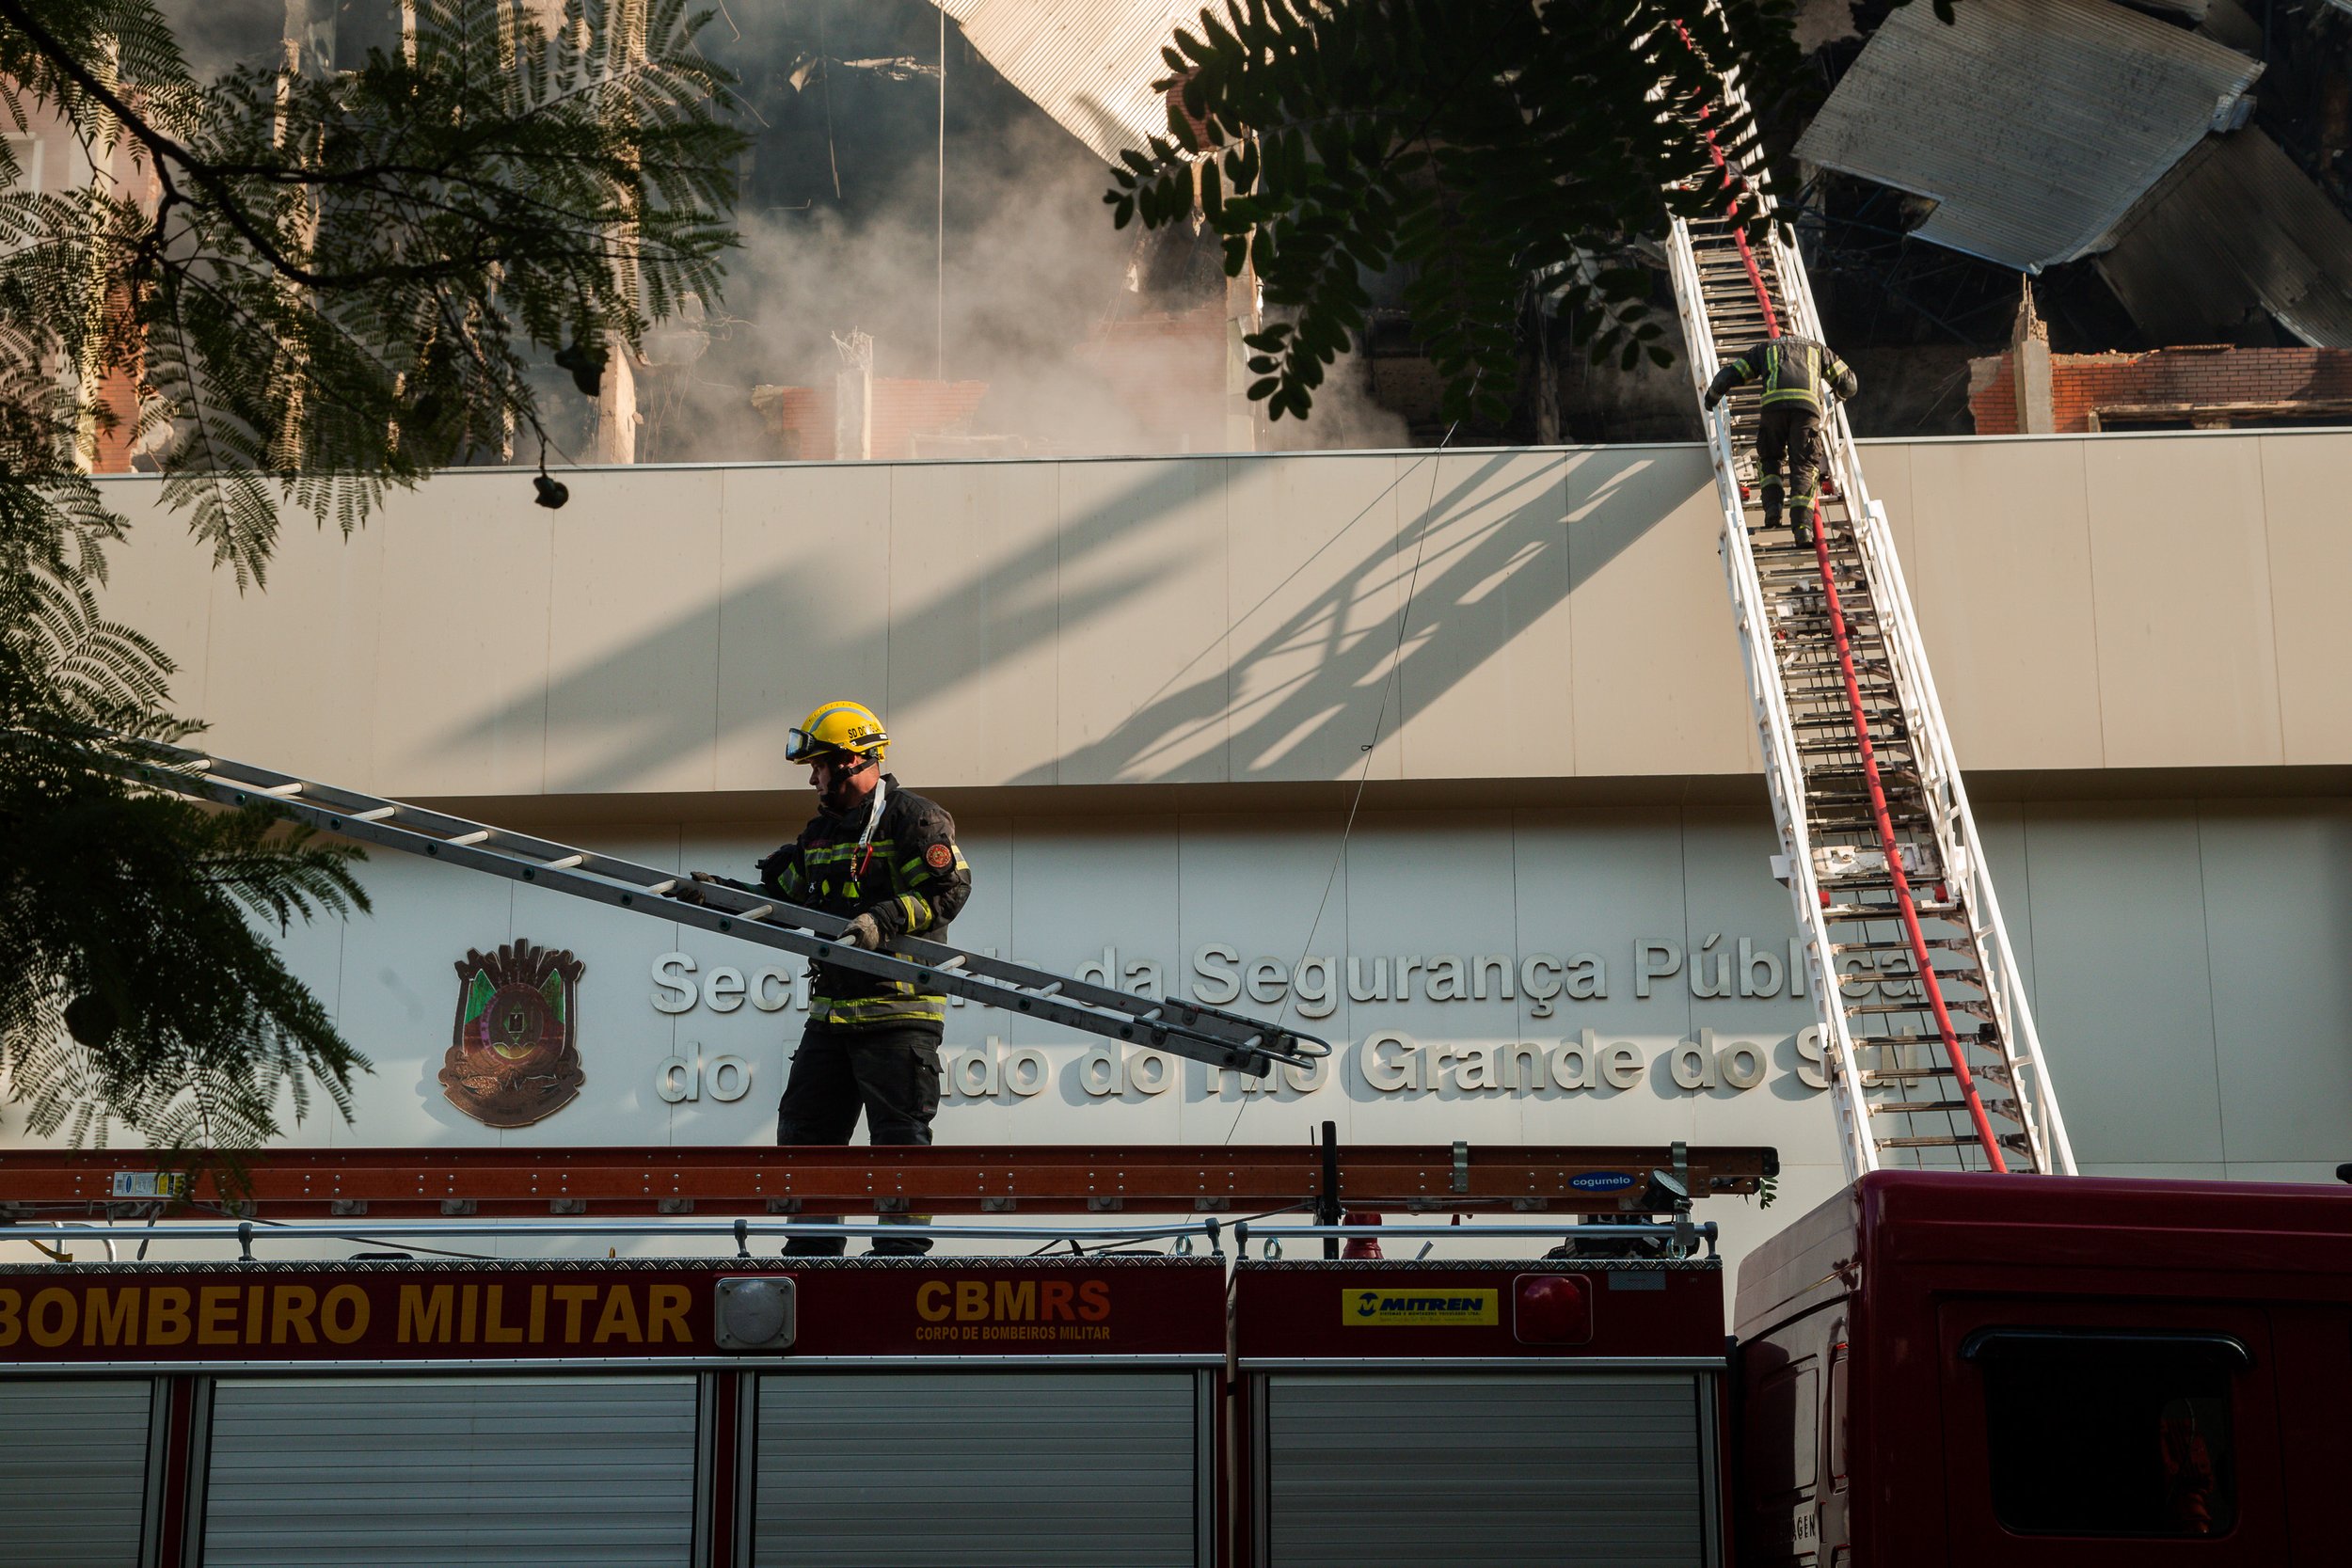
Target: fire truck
column 2026, row 1369
column 1163, row 1387
column 1933, row 1367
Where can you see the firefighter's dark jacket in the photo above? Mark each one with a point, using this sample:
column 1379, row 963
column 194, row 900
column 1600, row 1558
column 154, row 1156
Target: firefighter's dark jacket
column 1793, row 370
column 911, row 878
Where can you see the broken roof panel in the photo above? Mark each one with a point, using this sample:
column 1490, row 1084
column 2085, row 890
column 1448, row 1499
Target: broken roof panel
column 2033, row 124
column 1088, row 63
column 2237, row 225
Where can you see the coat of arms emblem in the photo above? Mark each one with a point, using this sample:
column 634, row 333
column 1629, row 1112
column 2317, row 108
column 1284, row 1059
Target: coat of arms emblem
column 513, row 1058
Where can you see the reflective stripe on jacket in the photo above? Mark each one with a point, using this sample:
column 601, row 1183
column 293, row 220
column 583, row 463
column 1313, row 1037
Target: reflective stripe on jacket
column 911, row 878
column 1793, row 370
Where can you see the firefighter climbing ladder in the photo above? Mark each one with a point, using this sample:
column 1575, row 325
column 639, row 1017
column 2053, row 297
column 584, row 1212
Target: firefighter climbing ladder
column 1205, row 1034
column 1935, row 1062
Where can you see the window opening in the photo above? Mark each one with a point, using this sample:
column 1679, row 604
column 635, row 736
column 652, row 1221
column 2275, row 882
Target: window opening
column 2111, row 1435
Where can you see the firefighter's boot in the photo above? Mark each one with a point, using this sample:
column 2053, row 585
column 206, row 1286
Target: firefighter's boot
column 815, row 1246
column 900, row 1246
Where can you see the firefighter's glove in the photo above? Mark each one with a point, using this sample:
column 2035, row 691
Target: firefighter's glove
column 689, row 892
column 862, row 932
column 1711, row 400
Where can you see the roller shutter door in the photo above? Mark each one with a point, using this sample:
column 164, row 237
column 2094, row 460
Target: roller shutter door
column 73, row 1472
column 1019, row 1469
column 1449, row 1471
column 444, row 1472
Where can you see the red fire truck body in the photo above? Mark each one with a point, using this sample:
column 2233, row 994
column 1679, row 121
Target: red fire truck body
column 1930, row 1369
column 2031, row 1370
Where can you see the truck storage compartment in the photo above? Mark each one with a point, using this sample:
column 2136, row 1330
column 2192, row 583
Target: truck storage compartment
column 583, row 1470
column 1022, row 1466
column 1486, row 1467
column 73, row 1462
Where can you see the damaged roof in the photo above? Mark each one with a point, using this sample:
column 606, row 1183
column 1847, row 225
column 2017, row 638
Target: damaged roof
column 1088, row 63
column 2237, row 225
column 2034, row 125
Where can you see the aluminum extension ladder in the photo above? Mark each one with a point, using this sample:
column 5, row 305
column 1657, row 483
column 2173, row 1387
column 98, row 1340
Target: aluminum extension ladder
column 1209, row 1035
column 1934, row 1059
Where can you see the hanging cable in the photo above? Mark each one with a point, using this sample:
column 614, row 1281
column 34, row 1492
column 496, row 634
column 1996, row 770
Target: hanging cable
column 1363, row 771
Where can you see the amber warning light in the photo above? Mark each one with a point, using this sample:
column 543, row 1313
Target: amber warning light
column 1552, row 1310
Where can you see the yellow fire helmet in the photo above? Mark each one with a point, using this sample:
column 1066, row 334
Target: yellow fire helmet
column 838, row 727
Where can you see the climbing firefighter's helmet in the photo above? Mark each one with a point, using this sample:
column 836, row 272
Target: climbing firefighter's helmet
column 847, row 727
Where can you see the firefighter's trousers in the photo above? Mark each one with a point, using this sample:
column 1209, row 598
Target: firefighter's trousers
column 891, row 1072
column 1791, row 434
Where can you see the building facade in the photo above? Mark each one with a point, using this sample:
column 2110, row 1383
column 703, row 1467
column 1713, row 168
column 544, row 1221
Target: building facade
column 1444, row 755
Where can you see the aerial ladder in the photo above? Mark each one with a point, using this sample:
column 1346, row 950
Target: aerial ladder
column 1934, row 1062
column 1222, row 1039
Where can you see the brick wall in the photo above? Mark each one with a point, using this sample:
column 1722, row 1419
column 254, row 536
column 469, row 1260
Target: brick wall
column 1993, row 395
column 801, row 417
column 1168, row 372
column 2082, row 384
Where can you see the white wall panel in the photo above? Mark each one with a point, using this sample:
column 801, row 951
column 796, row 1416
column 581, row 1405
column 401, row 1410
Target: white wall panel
column 804, row 576
column 1596, row 882
column 633, row 631
column 461, row 684
column 2189, row 671
column 1270, row 893
column 975, row 586
column 2109, row 601
column 1656, row 662
column 2307, row 515
column 1142, row 545
column 2122, row 983
column 1421, row 888
column 2278, row 899
column 297, row 668
column 1998, row 554
column 1486, row 676
column 1313, row 585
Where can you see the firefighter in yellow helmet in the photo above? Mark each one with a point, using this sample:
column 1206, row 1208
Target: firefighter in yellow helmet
column 885, row 860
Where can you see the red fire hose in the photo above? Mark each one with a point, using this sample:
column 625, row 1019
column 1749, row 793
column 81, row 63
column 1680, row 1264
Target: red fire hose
column 1861, row 735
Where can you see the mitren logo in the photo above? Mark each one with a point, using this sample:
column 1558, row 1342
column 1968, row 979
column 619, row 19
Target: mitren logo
column 984, row 1309
column 1419, row 1308
column 515, row 1056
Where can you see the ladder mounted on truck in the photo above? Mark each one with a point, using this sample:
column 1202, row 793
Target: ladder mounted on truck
column 1934, row 1059
column 1615, row 1200
column 1223, row 1039
column 1329, row 1180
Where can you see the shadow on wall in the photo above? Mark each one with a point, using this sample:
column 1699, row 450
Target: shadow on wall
column 1487, row 527
column 1316, row 683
